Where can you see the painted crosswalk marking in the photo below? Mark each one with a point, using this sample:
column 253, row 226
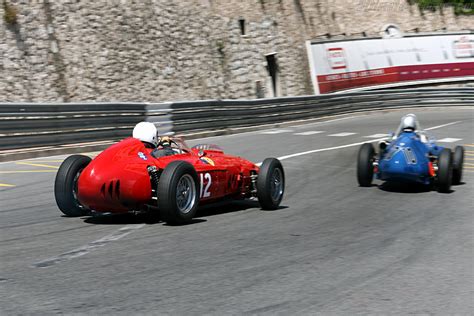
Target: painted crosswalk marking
column 309, row 133
column 277, row 131
column 376, row 136
column 449, row 140
column 342, row 134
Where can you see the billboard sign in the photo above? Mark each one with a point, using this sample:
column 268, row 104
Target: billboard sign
column 342, row 65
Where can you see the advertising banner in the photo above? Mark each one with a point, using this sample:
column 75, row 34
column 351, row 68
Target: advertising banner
column 343, row 65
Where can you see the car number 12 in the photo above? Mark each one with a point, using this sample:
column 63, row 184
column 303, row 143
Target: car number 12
column 205, row 193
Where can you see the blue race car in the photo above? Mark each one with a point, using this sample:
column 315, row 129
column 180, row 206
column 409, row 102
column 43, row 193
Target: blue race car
column 410, row 156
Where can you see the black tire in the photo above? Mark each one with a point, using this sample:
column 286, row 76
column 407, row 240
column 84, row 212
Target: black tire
column 168, row 201
column 65, row 185
column 365, row 166
column 445, row 170
column 458, row 161
column 270, row 184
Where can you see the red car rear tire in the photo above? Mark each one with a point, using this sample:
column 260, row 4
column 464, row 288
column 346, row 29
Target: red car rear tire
column 65, row 185
column 270, row 184
column 178, row 193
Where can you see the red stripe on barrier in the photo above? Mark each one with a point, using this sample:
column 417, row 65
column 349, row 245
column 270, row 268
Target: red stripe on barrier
column 374, row 77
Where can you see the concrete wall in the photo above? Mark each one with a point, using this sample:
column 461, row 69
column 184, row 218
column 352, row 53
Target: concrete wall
column 158, row 50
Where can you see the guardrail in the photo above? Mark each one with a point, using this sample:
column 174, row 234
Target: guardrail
column 25, row 125
column 205, row 115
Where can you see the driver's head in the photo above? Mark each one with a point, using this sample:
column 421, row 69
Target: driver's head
column 165, row 141
column 409, row 123
column 146, row 132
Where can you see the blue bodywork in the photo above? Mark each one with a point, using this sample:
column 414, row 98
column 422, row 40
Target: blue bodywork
column 406, row 159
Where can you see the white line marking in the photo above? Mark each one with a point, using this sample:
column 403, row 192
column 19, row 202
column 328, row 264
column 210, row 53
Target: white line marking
column 376, row 136
column 277, row 131
column 308, row 133
column 342, row 134
column 327, row 149
column 83, row 250
column 348, row 145
column 320, row 121
column 439, row 126
column 328, row 121
column 449, row 140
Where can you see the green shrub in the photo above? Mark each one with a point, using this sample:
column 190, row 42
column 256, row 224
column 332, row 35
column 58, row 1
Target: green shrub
column 460, row 6
column 10, row 14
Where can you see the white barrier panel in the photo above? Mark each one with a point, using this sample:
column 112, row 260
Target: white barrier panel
column 342, row 65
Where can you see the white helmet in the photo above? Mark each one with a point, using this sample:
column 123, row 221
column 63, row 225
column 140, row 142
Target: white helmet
column 409, row 122
column 146, row 132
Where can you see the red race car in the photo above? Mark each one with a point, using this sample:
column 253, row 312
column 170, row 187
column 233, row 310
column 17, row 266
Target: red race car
column 130, row 177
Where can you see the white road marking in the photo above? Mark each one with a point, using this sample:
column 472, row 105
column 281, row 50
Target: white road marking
column 439, row 126
column 376, row 136
column 300, row 124
column 308, row 133
column 449, row 140
column 83, row 250
column 319, row 122
column 343, row 134
column 327, row 149
column 276, row 131
column 348, row 145
column 322, row 121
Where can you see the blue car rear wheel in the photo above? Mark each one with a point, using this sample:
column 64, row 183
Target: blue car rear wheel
column 458, row 161
column 365, row 165
column 445, row 171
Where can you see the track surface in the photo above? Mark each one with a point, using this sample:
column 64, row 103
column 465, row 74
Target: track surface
column 333, row 247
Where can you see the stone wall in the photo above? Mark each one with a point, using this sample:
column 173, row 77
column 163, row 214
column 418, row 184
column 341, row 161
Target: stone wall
column 159, row 50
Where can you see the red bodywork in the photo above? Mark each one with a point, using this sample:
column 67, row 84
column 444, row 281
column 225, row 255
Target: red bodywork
column 117, row 180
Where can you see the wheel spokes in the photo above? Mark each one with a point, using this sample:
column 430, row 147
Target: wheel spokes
column 276, row 184
column 185, row 194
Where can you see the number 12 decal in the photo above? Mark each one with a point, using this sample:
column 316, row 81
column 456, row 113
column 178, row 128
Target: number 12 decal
column 205, row 193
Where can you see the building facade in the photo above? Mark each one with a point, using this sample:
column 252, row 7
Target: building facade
column 163, row 50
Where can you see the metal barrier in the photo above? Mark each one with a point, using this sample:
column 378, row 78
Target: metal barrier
column 25, row 125
column 208, row 115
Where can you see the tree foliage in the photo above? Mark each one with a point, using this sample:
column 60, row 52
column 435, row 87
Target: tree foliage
column 10, row 14
column 460, row 6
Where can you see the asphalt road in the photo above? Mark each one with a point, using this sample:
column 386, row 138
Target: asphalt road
column 333, row 248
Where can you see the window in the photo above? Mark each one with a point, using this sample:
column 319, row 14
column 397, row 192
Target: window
column 242, row 26
column 273, row 73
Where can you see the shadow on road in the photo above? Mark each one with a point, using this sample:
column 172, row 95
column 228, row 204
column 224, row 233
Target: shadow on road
column 230, row 207
column 153, row 218
column 122, row 219
column 408, row 187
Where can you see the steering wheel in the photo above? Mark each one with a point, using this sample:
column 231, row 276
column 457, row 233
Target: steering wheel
column 172, row 144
